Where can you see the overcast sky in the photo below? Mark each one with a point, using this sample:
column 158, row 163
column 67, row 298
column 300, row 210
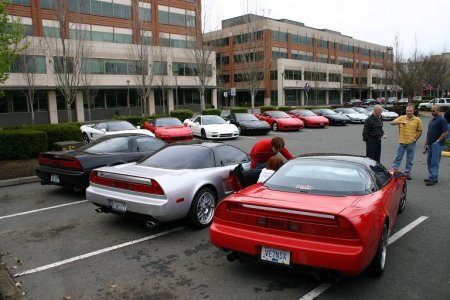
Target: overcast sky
column 379, row 21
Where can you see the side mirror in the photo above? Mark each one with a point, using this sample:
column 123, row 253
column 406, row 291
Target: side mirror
column 228, row 122
column 103, row 129
column 197, row 123
column 138, row 127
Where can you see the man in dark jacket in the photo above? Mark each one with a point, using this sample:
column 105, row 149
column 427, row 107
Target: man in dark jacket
column 373, row 132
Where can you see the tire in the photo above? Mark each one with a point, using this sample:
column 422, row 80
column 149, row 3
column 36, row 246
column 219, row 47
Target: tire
column 203, row 134
column 402, row 204
column 86, row 139
column 202, row 208
column 239, row 129
column 378, row 264
column 275, row 126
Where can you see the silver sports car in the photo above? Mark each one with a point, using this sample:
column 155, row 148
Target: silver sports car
column 178, row 181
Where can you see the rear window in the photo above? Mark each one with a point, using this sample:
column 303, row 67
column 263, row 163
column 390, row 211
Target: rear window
column 179, row 157
column 325, row 177
column 120, row 144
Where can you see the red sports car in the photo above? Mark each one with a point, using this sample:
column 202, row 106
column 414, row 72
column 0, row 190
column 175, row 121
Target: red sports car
column 169, row 129
column 331, row 212
column 309, row 118
column 279, row 120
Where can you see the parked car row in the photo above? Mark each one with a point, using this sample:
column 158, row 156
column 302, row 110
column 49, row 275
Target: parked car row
column 341, row 202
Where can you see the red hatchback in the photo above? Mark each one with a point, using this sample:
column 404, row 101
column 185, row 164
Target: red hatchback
column 279, row 120
column 309, row 118
column 331, row 212
column 169, row 129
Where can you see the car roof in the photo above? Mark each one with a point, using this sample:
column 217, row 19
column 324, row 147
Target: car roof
column 363, row 160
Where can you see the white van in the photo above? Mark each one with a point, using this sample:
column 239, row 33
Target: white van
column 435, row 101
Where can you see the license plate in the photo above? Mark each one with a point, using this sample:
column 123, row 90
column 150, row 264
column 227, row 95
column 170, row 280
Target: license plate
column 275, row 255
column 54, row 178
column 118, row 205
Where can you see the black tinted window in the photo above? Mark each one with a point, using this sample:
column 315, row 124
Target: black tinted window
column 121, row 125
column 120, row 144
column 179, row 157
column 167, row 122
column 148, row 143
column 382, row 175
column 325, row 177
column 228, row 155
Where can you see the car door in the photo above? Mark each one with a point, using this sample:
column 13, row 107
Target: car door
column 99, row 131
column 196, row 126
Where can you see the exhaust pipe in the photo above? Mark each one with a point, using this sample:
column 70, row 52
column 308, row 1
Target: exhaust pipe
column 151, row 223
column 232, row 257
column 100, row 210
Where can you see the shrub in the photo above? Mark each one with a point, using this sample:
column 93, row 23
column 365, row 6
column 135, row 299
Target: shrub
column 22, row 143
column 447, row 145
column 266, row 108
column 181, row 114
column 211, row 111
column 284, row 108
column 58, row 132
column 238, row 109
column 135, row 120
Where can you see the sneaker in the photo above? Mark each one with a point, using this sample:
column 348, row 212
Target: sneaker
column 426, row 180
column 429, row 183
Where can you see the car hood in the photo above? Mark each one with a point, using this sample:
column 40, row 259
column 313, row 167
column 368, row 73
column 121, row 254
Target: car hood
column 221, row 127
column 174, row 130
column 254, row 123
column 315, row 118
column 260, row 195
column 290, row 121
column 141, row 131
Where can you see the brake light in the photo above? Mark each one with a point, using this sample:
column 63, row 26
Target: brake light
column 151, row 187
column 305, row 222
column 56, row 161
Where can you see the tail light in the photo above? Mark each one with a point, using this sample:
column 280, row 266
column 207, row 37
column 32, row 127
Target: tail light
column 305, row 222
column 56, row 161
column 234, row 182
column 151, row 187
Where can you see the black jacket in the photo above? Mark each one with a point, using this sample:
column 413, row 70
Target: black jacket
column 373, row 128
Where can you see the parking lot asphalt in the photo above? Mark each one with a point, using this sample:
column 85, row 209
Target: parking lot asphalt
column 66, row 250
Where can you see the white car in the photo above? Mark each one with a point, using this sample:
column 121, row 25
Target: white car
column 355, row 117
column 435, row 101
column 403, row 100
column 386, row 115
column 91, row 132
column 212, row 127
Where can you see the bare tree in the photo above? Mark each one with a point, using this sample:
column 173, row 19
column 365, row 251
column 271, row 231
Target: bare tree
column 67, row 54
column 159, row 70
column 88, row 84
column 142, row 54
column 408, row 73
column 201, row 55
column 437, row 68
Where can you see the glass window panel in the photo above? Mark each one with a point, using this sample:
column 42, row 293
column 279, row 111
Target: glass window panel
column 23, row 2
column 190, row 21
column 107, row 9
column 159, row 68
column 122, row 11
column 96, row 7
column 145, row 14
column 122, row 38
column 163, row 17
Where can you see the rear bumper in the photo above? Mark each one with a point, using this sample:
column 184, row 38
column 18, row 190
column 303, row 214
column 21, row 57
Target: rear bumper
column 66, row 177
column 346, row 258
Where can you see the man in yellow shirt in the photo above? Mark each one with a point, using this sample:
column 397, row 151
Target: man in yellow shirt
column 410, row 130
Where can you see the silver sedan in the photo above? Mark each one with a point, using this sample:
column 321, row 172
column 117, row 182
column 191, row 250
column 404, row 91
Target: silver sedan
column 180, row 180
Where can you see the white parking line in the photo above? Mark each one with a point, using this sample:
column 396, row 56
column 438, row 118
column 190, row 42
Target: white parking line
column 277, row 133
column 101, row 251
column 41, row 209
column 326, row 285
column 247, row 137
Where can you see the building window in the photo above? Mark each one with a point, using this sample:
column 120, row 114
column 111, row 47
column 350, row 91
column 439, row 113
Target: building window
column 145, row 14
column 334, row 77
column 115, row 66
column 176, row 16
column 301, row 40
column 63, row 65
column 21, row 2
column 279, row 36
column 29, row 64
column 293, row 74
column 160, row 68
column 322, row 44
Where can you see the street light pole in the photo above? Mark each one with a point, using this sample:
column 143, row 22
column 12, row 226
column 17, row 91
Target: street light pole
column 128, row 97
column 176, row 89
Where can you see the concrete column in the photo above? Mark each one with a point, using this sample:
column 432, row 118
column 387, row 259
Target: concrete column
column 302, row 97
column 341, row 96
column 79, row 106
column 327, row 97
column 151, row 103
column 52, row 107
column 171, row 100
column 214, row 98
column 266, row 101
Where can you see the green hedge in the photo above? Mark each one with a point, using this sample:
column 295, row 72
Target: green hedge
column 181, row 114
column 135, row 120
column 58, row 132
column 284, row 108
column 266, row 108
column 211, row 111
column 238, row 109
column 22, row 143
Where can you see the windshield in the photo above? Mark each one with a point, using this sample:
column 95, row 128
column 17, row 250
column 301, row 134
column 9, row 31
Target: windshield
column 246, row 117
column 120, row 125
column 328, row 112
column 210, row 120
column 348, row 111
column 307, row 113
column 321, row 177
column 180, row 157
column 279, row 114
column 119, row 144
column 167, row 122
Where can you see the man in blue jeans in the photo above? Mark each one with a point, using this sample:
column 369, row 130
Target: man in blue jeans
column 409, row 132
column 434, row 143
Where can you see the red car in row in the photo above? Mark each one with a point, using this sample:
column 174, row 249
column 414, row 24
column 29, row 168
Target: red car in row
column 310, row 119
column 169, row 129
column 279, row 120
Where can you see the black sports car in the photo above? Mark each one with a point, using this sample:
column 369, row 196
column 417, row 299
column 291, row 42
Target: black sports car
column 332, row 116
column 248, row 123
column 72, row 168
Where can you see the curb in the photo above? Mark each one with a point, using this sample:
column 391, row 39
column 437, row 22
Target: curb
column 8, row 289
column 17, row 181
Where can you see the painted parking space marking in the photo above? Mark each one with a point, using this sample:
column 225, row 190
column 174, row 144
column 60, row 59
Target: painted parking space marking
column 98, row 252
column 247, row 137
column 326, row 285
column 41, row 209
column 277, row 133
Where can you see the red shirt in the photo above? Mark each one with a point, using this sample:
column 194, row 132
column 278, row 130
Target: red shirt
column 262, row 151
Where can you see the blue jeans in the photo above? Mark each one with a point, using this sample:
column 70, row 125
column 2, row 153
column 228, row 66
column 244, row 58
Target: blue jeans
column 433, row 160
column 410, row 151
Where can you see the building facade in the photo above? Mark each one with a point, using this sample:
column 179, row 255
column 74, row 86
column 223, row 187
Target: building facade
column 287, row 63
column 110, row 57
